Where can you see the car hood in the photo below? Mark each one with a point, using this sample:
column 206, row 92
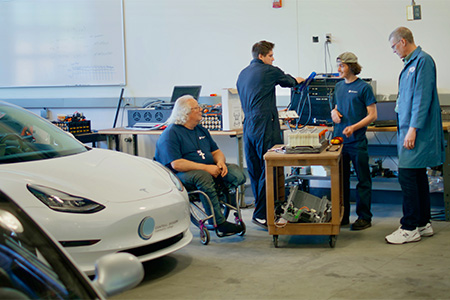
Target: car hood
column 98, row 174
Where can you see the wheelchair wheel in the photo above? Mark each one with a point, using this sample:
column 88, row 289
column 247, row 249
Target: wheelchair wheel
column 204, row 236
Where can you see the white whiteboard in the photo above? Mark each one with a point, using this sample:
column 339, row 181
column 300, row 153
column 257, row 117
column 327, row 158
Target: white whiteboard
column 61, row 43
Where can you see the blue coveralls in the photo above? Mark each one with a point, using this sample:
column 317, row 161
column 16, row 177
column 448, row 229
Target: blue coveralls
column 418, row 106
column 256, row 87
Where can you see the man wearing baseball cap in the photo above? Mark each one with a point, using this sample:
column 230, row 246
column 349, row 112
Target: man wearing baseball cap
column 354, row 109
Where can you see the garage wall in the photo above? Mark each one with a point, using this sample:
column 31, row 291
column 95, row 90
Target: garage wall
column 208, row 42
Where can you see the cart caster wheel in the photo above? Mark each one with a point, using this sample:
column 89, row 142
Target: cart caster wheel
column 204, row 236
column 243, row 229
column 275, row 241
column 333, row 241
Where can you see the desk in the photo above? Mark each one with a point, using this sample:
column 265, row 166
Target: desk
column 275, row 163
column 446, row 165
column 445, row 126
column 114, row 133
column 90, row 137
column 391, row 150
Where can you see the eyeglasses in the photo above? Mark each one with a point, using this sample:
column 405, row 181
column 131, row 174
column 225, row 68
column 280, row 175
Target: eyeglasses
column 393, row 46
column 197, row 108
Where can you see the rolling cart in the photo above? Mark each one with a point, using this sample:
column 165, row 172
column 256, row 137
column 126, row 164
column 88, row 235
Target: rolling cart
column 275, row 190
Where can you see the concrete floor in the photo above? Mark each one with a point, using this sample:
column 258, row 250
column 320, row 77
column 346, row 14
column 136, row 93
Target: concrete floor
column 361, row 266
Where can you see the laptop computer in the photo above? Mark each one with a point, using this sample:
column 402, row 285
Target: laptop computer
column 178, row 91
column 387, row 117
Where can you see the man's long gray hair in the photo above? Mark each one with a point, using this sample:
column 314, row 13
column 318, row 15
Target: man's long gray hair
column 180, row 111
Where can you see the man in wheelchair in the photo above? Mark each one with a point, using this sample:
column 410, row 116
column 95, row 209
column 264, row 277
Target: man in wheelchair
column 188, row 149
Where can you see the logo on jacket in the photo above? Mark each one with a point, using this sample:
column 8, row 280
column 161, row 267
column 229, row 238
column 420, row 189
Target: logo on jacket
column 352, row 92
column 201, row 137
column 411, row 70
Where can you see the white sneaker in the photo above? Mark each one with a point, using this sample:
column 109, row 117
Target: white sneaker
column 401, row 236
column 426, row 230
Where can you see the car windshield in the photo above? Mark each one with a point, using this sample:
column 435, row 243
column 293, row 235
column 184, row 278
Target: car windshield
column 31, row 265
column 27, row 137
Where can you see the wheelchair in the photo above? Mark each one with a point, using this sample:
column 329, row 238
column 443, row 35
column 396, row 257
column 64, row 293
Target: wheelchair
column 201, row 219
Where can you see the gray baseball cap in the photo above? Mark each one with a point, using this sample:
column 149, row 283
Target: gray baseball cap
column 347, row 58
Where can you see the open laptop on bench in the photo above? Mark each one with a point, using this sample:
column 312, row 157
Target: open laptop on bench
column 178, row 91
column 387, row 117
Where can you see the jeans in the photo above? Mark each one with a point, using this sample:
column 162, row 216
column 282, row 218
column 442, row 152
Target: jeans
column 416, row 197
column 359, row 156
column 203, row 181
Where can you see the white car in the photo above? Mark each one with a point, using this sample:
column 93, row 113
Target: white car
column 93, row 201
column 34, row 266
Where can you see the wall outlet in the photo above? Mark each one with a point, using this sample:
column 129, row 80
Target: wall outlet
column 315, row 39
column 127, row 101
column 328, row 38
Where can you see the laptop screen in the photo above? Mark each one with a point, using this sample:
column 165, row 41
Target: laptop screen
column 178, row 91
column 386, row 111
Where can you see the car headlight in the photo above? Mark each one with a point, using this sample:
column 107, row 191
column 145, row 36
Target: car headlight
column 173, row 177
column 64, row 202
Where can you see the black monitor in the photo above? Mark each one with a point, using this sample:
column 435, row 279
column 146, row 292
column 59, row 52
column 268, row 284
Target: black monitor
column 386, row 115
column 386, row 110
column 178, row 91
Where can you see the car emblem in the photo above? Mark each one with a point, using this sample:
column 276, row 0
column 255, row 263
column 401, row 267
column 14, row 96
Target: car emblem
column 146, row 228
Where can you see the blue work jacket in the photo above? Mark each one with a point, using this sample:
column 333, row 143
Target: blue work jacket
column 418, row 107
column 256, row 86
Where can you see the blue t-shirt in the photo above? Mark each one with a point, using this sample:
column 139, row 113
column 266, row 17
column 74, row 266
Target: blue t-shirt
column 352, row 100
column 177, row 142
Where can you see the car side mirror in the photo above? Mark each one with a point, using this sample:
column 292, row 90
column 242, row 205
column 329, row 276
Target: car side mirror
column 117, row 272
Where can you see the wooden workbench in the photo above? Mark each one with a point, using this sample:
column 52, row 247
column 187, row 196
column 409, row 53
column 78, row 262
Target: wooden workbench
column 275, row 163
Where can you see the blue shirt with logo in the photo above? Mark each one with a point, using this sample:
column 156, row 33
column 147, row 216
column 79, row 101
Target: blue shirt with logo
column 178, row 142
column 351, row 100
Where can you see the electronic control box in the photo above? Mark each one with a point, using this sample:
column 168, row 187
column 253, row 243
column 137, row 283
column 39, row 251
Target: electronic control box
column 314, row 105
column 212, row 117
column 147, row 117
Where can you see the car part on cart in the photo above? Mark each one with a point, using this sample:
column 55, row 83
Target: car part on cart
column 306, row 208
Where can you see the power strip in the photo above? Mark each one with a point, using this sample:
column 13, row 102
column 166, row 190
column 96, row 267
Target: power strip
column 287, row 114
